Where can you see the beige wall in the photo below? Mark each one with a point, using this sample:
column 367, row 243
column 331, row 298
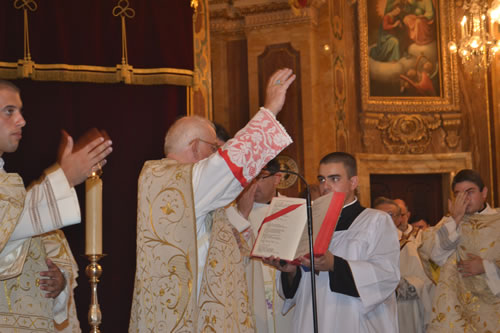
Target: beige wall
column 330, row 84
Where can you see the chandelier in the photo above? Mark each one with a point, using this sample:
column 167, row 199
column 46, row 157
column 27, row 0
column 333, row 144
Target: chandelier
column 476, row 47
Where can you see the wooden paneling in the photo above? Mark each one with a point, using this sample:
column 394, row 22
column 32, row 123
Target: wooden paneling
column 237, row 79
column 421, row 192
column 280, row 56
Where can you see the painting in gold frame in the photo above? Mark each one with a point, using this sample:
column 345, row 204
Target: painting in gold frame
column 405, row 64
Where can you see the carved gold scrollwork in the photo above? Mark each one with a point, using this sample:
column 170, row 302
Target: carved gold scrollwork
column 194, row 5
column 297, row 5
column 451, row 125
column 408, row 133
column 339, row 77
column 337, row 17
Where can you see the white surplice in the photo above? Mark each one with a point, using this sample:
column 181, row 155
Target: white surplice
column 371, row 248
column 415, row 293
column 216, row 183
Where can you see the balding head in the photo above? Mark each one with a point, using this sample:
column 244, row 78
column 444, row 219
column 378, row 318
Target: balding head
column 405, row 214
column 190, row 139
column 390, row 207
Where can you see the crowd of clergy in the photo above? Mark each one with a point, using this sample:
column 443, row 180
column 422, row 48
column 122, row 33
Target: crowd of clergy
column 199, row 213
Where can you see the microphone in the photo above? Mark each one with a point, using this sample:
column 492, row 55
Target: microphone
column 274, row 170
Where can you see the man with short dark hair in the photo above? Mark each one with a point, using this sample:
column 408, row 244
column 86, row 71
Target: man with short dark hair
column 31, row 298
column 359, row 272
column 419, row 223
column 221, row 134
column 465, row 245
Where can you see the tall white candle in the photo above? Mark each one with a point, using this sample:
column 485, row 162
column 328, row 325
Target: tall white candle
column 93, row 223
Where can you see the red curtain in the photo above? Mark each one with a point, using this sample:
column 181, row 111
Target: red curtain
column 136, row 117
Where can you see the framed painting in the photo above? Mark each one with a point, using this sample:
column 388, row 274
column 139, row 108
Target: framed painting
column 404, row 57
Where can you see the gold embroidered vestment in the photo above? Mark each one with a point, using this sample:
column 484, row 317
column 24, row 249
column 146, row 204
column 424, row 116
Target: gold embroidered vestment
column 466, row 304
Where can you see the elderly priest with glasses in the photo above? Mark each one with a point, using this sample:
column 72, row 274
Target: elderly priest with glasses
column 175, row 264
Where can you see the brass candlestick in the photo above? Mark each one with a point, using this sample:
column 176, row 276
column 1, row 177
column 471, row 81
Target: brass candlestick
column 94, row 271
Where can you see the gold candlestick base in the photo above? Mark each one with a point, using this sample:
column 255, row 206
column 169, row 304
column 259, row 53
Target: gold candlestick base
column 94, row 271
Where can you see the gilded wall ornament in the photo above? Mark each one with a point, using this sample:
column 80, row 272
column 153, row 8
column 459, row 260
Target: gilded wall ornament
column 336, row 18
column 339, row 81
column 339, row 78
column 287, row 163
column 194, row 5
column 451, row 125
column 409, row 133
column 201, row 94
column 405, row 133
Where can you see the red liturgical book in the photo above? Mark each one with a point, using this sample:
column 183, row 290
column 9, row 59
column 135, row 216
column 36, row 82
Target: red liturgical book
column 283, row 233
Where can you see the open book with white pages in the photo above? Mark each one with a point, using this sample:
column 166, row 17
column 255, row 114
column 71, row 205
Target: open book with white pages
column 284, row 232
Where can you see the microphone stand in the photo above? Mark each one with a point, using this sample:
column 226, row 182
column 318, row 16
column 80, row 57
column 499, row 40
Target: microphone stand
column 311, row 243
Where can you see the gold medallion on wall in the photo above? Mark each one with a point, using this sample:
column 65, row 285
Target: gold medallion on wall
column 287, row 163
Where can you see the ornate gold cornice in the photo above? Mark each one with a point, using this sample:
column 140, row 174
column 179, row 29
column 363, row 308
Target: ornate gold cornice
column 444, row 164
column 216, row 2
column 237, row 19
column 235, row 12
column 284, row 17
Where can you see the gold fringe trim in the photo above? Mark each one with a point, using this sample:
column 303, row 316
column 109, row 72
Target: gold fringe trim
column 96, row 74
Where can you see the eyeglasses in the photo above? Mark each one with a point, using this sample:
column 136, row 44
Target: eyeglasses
column 264, row 175
column 393, row 215
column 214, row 145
